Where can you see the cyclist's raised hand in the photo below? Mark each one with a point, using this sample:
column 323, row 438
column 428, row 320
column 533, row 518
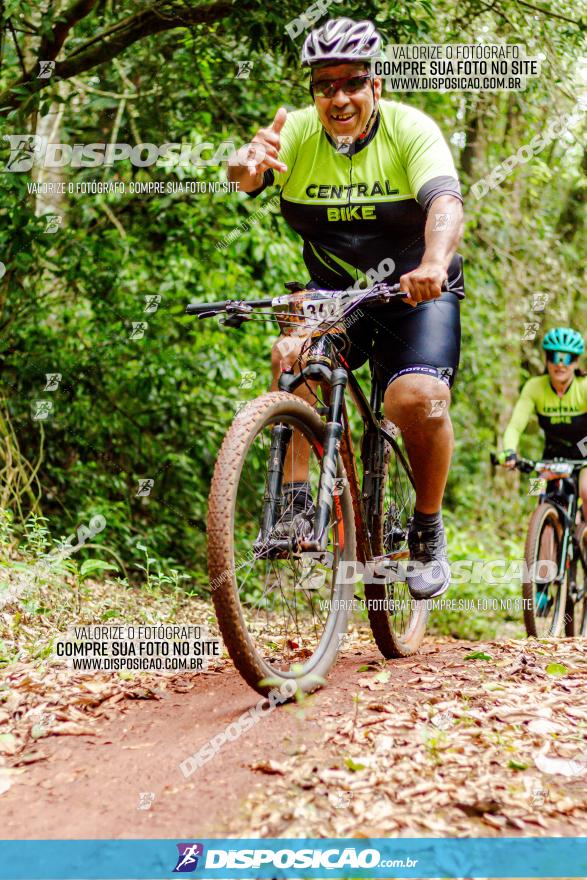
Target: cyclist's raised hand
column 248, row 164
column 269, row 139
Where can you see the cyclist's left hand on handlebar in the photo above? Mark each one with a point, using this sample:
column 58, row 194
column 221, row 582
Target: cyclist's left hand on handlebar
column 423, row 283
column 507, row 458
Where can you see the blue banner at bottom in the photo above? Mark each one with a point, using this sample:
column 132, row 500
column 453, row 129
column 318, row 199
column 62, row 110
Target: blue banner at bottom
column 230, row 859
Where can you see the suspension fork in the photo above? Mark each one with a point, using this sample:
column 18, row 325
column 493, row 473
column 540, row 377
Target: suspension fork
column 364, row 550
column 373, row 458
column 319, row 369
column 567, row 545
column 280, row 437
column 328, row 473
column 566, row 517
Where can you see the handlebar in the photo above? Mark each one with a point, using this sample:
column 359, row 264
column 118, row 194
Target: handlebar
column 206, row 310
column 527, row 466
column 382, row 292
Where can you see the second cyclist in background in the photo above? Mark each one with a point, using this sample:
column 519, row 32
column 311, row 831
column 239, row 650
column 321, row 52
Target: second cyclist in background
column 559, row 400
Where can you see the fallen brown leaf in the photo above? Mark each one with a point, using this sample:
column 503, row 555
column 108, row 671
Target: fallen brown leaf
column 480, row 807
column 269, row 767
column 71, row 728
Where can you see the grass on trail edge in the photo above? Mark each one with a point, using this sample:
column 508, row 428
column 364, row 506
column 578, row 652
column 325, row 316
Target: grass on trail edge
column 39, row 602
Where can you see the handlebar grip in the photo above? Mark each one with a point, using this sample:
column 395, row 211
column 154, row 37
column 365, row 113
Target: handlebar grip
column 395, row 288
column 200, row 308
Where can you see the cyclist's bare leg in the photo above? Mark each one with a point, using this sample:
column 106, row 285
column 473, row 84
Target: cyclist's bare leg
column 583, row 490
column 297, row 460
column 418, row 404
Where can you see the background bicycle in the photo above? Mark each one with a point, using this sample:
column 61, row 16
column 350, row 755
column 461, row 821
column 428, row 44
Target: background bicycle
column 555, row 584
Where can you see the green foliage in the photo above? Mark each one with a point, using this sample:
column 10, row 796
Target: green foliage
column 156, row 407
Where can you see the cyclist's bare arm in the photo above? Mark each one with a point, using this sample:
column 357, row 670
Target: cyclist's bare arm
column 524, row 408
column 268, row 143
column 443, row 232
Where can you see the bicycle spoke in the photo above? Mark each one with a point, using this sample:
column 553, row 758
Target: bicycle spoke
column 399, row 625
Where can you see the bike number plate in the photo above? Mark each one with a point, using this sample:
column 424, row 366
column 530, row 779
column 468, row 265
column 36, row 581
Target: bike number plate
column 561, row 469
column 318, row 310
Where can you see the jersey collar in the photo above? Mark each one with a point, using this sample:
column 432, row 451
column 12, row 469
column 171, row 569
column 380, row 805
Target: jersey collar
column 359, row 144
column 567, row 389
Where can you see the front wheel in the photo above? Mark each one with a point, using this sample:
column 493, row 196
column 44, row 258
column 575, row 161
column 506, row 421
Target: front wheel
column 544, row 595
column 281, row 614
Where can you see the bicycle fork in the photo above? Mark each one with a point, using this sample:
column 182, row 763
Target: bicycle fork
column 567, row 517
column 280, row 438
column 329, row 470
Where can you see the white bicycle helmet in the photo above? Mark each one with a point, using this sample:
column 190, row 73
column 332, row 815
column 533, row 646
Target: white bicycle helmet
column 341, row 39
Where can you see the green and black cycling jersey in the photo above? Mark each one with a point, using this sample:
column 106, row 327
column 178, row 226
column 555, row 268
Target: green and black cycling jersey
column 563, row 419
column 358, row 205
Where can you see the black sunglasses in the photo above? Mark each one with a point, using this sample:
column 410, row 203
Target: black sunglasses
column 327, row 88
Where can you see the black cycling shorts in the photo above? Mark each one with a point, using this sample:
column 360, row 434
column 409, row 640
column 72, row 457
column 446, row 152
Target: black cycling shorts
column 402, row 339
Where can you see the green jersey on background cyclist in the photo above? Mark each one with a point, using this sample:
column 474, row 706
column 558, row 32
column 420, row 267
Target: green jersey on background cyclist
column 559, row 400
column 370, row 186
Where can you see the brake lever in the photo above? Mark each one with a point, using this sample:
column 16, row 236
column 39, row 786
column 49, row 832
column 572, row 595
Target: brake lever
column 237, row 312
column 388, row 292
column 235, row 321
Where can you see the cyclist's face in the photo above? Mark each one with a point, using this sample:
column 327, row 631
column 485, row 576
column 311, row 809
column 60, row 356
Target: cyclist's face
column 561, row 373
column 346, row 115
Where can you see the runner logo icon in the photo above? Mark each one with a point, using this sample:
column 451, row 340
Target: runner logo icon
column 189, row 855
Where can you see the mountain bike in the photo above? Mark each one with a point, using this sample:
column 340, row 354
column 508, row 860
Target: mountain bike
column 555, row 574
column 283, row 601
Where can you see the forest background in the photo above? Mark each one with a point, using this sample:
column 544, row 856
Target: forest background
column 130, row 407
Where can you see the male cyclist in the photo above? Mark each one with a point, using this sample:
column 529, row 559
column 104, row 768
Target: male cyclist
column 364, row 181
column 559, row 399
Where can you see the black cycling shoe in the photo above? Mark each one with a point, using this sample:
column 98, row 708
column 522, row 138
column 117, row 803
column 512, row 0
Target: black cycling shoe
column 431, row 577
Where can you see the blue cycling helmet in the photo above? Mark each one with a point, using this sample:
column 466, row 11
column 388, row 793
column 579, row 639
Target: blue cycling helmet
column 564, row 339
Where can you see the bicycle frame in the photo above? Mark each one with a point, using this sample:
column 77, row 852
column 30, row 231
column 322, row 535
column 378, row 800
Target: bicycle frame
column 322, row 366
column 568, row 515
column 299, row 518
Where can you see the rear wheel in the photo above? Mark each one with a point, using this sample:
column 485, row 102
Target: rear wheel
column 545, row 597
column 576, row 612
column 281, row 618
column 398, row 621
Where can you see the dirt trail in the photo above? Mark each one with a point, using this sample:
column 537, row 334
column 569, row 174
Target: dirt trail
column 433, row 744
